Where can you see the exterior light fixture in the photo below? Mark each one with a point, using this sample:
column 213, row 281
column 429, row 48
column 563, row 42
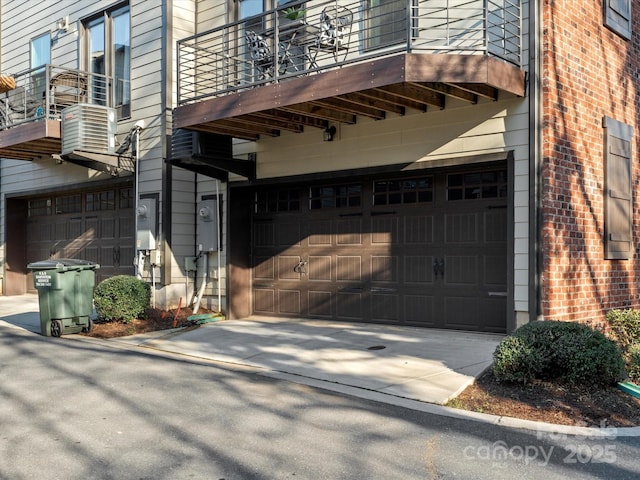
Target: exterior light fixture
column 329, row 133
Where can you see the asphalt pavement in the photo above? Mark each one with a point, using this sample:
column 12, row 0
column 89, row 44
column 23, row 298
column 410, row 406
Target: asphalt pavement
column 412, row 367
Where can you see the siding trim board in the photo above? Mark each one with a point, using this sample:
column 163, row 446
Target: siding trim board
column 400, row 167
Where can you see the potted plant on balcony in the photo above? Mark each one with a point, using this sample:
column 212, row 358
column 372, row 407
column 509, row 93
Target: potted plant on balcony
column 293, row 13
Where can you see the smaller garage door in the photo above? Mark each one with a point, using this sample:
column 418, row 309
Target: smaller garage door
column 95, row 225
column 428, row 250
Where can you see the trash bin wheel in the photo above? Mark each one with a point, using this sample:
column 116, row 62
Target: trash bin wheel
column 89, row 327
column 56, row 328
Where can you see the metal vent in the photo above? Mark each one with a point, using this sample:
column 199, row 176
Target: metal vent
column 90, row 128
column 186, row 143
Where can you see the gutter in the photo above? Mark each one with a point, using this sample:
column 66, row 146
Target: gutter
column 535, row 164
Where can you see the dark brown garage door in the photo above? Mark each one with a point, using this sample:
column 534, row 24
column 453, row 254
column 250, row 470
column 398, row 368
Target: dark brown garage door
column 429, row 250
column 96, row 226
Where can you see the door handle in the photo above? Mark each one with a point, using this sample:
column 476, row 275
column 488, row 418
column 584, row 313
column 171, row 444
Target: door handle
column 299, row 268
column 438, row 267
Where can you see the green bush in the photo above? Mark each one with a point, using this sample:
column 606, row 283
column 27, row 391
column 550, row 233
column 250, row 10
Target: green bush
column 624, row 327
column 589, row 358
column 121, row 298
column 550, row 350
column 516, row 361
column 633, row 363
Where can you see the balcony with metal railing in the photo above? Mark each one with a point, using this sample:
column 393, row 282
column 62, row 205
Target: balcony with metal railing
column 252, row 77
column 30, row 114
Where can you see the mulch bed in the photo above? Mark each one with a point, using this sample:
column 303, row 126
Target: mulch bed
column 552, row 403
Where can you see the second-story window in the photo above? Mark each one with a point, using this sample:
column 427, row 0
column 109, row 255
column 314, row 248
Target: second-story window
column 108, row 58
column 40, row 56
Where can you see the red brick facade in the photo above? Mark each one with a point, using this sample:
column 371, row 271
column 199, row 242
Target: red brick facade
column 588, row 72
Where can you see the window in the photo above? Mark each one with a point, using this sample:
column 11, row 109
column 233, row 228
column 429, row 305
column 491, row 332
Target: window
column 338, row 196
column 101, row 201
column 476, row 185
column 386, row 22
column 69, row 204
column 618, row 193
column 126, row 198
column 617, row 16
column 409, row 191
column 278, row 201
column 40, row 56
column 39, row 207
column 108, row 55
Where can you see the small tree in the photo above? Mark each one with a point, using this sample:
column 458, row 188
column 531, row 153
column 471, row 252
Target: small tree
column 122, row 298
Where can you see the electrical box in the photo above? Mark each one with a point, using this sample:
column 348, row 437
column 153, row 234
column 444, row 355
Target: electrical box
column 146, row 234
column 208, row 225
column 154, row 258
column 190, row 264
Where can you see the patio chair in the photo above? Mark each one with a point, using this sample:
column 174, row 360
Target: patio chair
column 260, row 53
column 335, row 32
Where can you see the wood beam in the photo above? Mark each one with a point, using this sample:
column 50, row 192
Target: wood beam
column 481, row 89
column 372, row 101
column 213, row 127
column 346, row 106
column 295, row 118
column 240, row 125
column 386, row 96
column 413, row 92
column 451, row 91
column 322, row 113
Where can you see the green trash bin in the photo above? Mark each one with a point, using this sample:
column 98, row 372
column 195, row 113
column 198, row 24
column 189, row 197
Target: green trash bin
column 65, row 295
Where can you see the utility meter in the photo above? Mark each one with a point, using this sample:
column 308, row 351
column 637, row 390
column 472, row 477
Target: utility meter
column 208, row 225
column 146, row 234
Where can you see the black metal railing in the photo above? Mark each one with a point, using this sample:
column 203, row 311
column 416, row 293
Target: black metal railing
column 305, row 37
column 45, row 91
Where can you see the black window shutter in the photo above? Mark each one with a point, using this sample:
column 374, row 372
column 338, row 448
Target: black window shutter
column 618, row 199
column 617, row 16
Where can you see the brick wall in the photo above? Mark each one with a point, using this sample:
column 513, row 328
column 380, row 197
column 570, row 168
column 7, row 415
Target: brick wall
column 588, row 72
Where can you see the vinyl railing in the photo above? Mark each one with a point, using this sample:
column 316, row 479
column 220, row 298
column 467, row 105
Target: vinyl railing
column 305, row 37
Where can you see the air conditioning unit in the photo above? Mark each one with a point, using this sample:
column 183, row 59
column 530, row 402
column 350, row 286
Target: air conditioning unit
column 187, row 143
column 89, row 128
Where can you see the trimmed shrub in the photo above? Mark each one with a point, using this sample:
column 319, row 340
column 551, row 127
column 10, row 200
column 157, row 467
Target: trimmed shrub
column 516, row 361
column 589, row 358
column 121, row 298
column 550, row 350
column 624, row 327
column 633, row 363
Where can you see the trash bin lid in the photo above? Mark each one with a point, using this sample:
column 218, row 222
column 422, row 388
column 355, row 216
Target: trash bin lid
column 63, row 264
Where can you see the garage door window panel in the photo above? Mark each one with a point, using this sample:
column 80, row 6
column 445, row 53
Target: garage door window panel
column 101, row 201
column 39, row 207
column 477, row 185
column 398, row 192
column 69, row 204
column 335, row 196
column 271, row 201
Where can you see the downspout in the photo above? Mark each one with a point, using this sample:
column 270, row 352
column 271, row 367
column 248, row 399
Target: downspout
column 219, row 244
column 166, row 107
column 535, row 163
